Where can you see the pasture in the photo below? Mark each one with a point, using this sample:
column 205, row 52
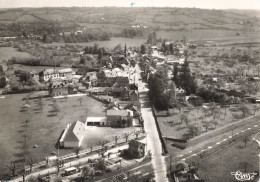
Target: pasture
column 9, row 52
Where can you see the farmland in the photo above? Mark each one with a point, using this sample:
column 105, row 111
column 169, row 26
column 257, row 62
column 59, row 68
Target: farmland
column 8, row 52
column 219, row 36
column 110, row 44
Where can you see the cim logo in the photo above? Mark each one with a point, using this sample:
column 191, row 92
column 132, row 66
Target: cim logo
column 244, row 176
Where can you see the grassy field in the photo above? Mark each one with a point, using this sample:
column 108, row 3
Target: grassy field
column 110, row 44
column 208, row 34
column 44, row 128
column 9, row 52
column 219, row 166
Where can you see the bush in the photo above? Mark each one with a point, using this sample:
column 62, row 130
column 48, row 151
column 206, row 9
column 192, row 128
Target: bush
column 179, row 145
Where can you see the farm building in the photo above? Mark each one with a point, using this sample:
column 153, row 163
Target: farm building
column 96, row 121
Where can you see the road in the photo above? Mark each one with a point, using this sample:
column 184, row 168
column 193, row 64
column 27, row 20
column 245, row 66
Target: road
column 153, row 141
column 52, row 170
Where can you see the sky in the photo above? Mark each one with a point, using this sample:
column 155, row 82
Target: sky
column 205, row 4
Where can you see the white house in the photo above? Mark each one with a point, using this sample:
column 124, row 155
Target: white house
column 73, row 135
column 96, row 121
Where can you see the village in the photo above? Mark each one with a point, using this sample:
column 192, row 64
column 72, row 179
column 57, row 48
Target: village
column 162, row 110
column 119, row 83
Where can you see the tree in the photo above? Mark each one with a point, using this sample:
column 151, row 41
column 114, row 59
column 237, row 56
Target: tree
column 183, row 117
column 205, row 111
column 125, row 51
column 40, row 104
column 133, row 62
column 86, row 171
column 206, row 125
column 187, row 82
column 255, row 108
column 186, row 120
column 13, row 167
column 116, row 137
column 215, row 123
column 100, row 53
column 176, row 76
column 193, row 129
column 80, row 100
column 143, row 49
column 56, row 108
column 126, row 136
column 46, row 38
column 137, row 133
column 25, row 77
column 245, row 109
column 171, row 48
column 101, row 165
column 246, row 139
column 30, row 161
column 77, row 150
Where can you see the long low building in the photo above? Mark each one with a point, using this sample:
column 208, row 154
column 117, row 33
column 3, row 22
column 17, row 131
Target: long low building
column 96, row 121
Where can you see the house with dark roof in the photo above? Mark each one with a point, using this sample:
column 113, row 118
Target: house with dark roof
column 61, row 88
column 121, row 82
column 118, row 60
column 130, row 95
column 119, row 118
column 136, row 149
column 73, row 135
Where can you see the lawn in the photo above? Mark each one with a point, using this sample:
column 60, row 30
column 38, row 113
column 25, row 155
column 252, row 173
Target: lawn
column 219, row 166
column 44, row 128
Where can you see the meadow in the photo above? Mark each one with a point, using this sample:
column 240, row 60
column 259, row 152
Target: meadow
column 9, row 52
column 110, row 44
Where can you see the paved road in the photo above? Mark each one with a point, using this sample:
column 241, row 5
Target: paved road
column 52, row 170
column 153, row 141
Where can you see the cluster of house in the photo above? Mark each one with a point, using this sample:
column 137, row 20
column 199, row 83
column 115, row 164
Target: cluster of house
column 77, row 32
column 62, row 81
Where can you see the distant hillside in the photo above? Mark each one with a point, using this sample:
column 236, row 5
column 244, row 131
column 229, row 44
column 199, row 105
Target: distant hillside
column 169, row 19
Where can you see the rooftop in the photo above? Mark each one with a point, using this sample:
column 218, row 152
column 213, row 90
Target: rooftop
column 76, row 131
column 112, row 112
